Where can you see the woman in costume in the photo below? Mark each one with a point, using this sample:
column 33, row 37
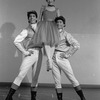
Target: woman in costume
column 47, row 32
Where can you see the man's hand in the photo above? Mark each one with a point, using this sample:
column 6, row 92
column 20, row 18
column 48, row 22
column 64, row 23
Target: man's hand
column 64, row 55
column 28, row 53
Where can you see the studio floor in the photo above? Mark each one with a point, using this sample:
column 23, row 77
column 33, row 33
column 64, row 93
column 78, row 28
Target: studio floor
column 46, row 93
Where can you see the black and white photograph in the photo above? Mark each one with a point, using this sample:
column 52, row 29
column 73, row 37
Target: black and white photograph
column 49, row 49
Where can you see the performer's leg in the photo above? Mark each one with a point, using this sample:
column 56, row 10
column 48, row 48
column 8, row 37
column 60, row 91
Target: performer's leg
column 49, row 51
column 35, row 74
column 79, row 92
column 33, row 88
column 64, row 64
column 33, row 93
column 59, row 93
column 56, row 72
column 26, row 64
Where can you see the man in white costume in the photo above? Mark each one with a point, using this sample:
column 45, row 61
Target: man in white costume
column 32, row 57
column 67, row 47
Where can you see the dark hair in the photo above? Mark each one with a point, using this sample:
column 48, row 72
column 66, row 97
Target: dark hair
column 32, row 12
column 60, row 18
column 47, row 0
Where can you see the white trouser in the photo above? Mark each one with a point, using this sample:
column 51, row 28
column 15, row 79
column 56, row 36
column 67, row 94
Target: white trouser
column 64, row 65
column 27, row 63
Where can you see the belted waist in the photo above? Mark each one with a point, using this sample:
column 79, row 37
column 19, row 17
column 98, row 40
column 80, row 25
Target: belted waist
column 35, row 48
column 58, row 50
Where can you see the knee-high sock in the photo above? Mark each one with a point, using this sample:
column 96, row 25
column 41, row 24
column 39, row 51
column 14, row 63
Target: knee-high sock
column 14, row 86
column 33, row 93
column 79, row 92
column 59, row 93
